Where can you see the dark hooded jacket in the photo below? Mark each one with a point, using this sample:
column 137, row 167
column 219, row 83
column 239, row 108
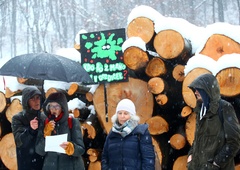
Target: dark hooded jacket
column 60, row 161
column 124, row 153
column 215, row 140
column 25, row 137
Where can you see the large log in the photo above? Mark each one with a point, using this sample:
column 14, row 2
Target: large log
column 157, row 85
column 91, row 124
column 94, row 165
column 178, row 72
column 9, row 93
column 141, row 27
column 217, row 45
column 180, row 163
column 158, row 154
column 135, row 58
column 178, row 140
column 135, row 89
column 13, row 109
column 170, row 44
column 190, row 127
column 94, row 154
column 155, row 67
column 8, row 152
column 157, row 125
column 3, row 101
column 187, row 93
column 76, row 88
column 229, row 82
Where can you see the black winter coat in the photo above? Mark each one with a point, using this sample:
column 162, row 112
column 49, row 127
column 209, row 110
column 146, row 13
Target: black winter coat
column 215, row 140
column 60, row 161
column 25, row 137
column 133, row 152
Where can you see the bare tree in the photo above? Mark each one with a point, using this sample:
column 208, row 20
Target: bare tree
column 13, row 28
column 220, row 11
column 238, row 5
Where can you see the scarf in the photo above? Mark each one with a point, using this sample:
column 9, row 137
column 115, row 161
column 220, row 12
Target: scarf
column 125, row 128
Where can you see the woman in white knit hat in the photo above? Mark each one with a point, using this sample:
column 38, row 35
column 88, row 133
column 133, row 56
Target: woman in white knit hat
column 128, row 145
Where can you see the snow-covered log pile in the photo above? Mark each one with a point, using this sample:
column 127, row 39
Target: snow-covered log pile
column 177, row 52
column 163, row 55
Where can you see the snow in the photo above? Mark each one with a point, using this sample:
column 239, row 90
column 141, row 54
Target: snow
column 202, row 61
column 199, row 61
column 231, row 31
column 197, row 35
column 143, row 11
column 77, row 37
column 134, row 41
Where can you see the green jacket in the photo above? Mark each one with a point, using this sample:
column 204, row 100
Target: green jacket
column 214, row 140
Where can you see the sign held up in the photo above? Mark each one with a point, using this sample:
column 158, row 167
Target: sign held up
column 102, row 56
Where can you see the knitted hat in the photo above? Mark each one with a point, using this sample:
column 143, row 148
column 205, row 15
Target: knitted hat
column 127, row 105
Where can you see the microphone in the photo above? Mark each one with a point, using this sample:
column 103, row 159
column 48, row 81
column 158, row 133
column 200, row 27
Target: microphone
column 52, row 117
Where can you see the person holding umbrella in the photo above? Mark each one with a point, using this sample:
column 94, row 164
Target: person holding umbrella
column 58, row 122
column 25, row 125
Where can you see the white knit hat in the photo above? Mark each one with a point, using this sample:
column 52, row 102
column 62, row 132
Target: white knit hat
column 127, row 105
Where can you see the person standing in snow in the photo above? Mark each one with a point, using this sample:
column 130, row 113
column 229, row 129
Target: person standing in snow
column 217, row 135
column 58, row 122
column 128, row 144
column 25, row 126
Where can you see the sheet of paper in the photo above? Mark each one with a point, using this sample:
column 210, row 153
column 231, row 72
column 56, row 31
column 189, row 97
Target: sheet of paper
column 52, row 143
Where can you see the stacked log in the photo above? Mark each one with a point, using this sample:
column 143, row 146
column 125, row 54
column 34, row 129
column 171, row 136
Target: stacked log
column 171, row 50
column 162, row 61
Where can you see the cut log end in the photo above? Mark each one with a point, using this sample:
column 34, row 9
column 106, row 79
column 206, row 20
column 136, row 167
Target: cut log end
column 135, row 58
column 141, row 27
column 169, row 44
column 155, row 67
column 8, row 152
column 156, row 85
column 178, row 72
column 187, row 110
column 177, row 141
column 3, row 101
column 157, row 125
column 229, row 82
column 218, row 45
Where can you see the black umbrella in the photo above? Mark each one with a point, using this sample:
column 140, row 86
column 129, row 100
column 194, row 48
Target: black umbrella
column 45, row 66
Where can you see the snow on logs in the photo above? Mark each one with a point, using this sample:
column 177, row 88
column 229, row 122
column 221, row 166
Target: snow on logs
column 178, row 52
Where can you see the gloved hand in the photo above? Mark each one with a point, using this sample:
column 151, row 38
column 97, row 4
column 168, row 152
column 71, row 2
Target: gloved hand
column 49, row 127
column 69, row 149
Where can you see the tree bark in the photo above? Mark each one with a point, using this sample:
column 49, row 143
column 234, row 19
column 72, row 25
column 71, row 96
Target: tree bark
column 140, row 96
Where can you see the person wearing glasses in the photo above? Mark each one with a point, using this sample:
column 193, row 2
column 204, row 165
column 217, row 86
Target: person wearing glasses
column 25, row 125
column 57, row 123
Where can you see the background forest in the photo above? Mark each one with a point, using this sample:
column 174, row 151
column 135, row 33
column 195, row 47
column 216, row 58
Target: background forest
column 47, row 25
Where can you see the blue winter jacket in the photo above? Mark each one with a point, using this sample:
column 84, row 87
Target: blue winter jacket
column 133, row 152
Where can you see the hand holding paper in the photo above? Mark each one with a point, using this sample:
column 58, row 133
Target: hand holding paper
column 52, row 143
column 68, row 147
